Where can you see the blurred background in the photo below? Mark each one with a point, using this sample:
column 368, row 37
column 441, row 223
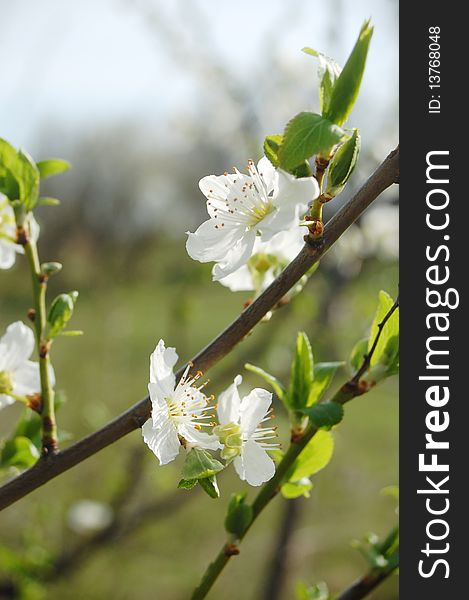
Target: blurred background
column 144, row 98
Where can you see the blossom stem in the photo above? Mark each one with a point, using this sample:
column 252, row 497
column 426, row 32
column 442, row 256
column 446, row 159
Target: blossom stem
column 49, row 427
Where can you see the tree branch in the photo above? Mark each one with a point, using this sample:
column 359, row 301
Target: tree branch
column 366, row 584
column 49, row 467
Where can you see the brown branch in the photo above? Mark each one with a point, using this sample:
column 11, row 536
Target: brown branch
column 366, row 584
column 49, row 467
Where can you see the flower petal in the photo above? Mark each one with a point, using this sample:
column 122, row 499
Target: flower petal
column 235, row 257
column 7, row 254
column 268, row 173
column 162, row 441
column 162, row 363
column 198, row 438
column 5, row 401
column 16, row 346
column 254, row 465
column 159, row 406
column 254, row 408
column 239, row 281
column 211, row 241
column 229, row 403
column 26, row 379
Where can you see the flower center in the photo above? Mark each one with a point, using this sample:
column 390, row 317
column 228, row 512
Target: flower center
column 231, row 437
column 6, row 383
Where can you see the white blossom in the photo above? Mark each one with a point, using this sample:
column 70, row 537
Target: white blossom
column 178, row 411
column 8, row 246
column 267, row 261
column 19, row 376
column 243, row 207
column 243, row 440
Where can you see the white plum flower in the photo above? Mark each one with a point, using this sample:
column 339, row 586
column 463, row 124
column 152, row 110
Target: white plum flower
column 19, row 376
column 8, row 246
column 243, row 440
column 178, row 411
column 242, row 207
column 267, row 261
column 88, row 516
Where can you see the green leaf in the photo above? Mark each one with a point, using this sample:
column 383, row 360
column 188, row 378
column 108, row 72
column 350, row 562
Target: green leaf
column 28, row 180
column 301, row 375
column 270, row 379
column 325, row 414
column 239, row 515
column 358, row 354
column 19, row 176
column 343, row 164
column 187, row 484
column 315, row 592
column 200, row 464
column 328, row 73
column 29, row 426
column 48, row 201
column 272, row 145
column 52, row 166
column 210, row 486
column 60, row 313
column 19, row 452
column 305, row 135
column 345, row 90
column 316, row 455
column 323, row 375
column 388, row 344
column 295, row 489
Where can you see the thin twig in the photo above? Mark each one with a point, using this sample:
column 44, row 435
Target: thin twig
column 49, row 467
column 272, row 487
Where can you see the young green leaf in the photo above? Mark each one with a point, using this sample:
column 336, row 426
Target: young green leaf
column 325, row 414
column 187, row 484
column 295, row 489
column 314, row 457
column 200, row 464
column 301, row 375
column 357, row 356
column 270, row 379
column 48, row 201
column 305, row 135
column 342, row 165
column 387, row 348
column 239, row 515
column 210, row 486
column 272, row 145
column 19, row 176
column 19, row 452
column 328, row 72
column 315, row 592
column 346, row 88
column 60, row 313
column 323, row 375
column 52, row 166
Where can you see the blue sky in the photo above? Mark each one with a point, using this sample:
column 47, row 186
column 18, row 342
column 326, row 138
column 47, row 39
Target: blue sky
column 99, row 62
